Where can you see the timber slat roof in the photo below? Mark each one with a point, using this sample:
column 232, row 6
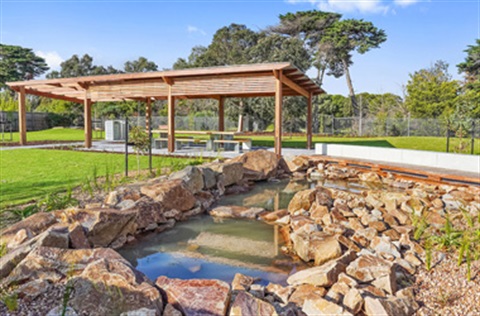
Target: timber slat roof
column 228, row 81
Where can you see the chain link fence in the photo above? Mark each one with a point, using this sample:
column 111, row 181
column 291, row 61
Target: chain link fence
column 354, row 126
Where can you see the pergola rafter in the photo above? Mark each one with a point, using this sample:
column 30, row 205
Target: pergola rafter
column 255, row 80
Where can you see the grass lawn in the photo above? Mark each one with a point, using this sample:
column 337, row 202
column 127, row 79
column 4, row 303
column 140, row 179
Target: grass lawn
column 414, row 142
column 30, row 174
column 56, row 134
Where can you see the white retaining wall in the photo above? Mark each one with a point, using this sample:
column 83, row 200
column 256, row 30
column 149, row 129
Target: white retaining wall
column 469, row 163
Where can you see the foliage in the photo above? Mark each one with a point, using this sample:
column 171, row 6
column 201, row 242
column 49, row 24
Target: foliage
column 431, row 92
column 140, row 65
column 141, row 142
column 78, row 67
column 18, row 63
column 3, row 249
column 9, row 297
column 471, row 65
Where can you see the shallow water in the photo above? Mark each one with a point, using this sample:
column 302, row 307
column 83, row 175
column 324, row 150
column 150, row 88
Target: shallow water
column 204, row 247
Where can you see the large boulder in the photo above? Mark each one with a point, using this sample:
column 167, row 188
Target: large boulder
column 209, row 177
column 196, row 296
column 246, row 304
column 192, row 176
column 302, row 200
column 390, row 306
column 258, row 164
column 173, row 194
column 27, row 228
column 103, row 282
column 227, row 172
column 106, row 227
column 150, row 213
column 375, row 270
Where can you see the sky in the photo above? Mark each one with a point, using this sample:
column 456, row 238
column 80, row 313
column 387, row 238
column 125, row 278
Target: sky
column 419, row 32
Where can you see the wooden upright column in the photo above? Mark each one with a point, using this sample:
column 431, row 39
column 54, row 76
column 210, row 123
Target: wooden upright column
column 221, row 114
column 22, row 116
column 171, row 120
column 309, row 121
column 278, row 112
column 148, row 114
column 87, row 107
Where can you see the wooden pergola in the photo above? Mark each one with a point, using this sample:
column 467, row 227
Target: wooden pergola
column 254, row 80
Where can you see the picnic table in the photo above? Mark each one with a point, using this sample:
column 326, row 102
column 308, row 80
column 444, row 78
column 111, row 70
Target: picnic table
column 214, row 140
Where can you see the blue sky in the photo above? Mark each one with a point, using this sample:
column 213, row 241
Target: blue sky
column 419, row 32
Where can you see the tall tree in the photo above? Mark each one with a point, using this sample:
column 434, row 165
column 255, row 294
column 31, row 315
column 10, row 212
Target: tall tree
column 347, row 36
column 19, row 63
column 431, row 92
column 140, row 65
column 471, row 65
column 309, row 27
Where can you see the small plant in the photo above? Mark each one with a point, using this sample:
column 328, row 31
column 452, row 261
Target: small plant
column 449, row 237
column 57, row 201
column 141, row 142
column 3, row 249
column 428, row 253
column 69, row 288
column 26, row 211
column 421, row 225
column 9, row 297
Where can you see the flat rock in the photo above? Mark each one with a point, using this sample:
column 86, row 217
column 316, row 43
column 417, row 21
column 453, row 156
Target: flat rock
column 323, row 307
column 246, row 304
column 304, row 292
column 30, row 227
column 196, row 296
column 369, row 268
column 324, row 275
column 173, row 194
column 391, row 306
column 233, row 211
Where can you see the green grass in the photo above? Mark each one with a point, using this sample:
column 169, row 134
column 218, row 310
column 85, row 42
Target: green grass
column 54, row 134
column 414, row 142
column 31, row 174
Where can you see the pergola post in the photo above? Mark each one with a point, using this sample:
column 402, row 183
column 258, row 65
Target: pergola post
column 87, row 107
column 278, row 112
column 148, row 114
column 22, row 116
column 221, row 114
column 171, row 120
column 309, row 121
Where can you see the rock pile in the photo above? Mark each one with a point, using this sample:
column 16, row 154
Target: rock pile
column 360, row 246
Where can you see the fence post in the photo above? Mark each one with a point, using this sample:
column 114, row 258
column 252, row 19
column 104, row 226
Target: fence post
column 408, row 125
column 333, row 125
column 448, row 139
column 472, row 146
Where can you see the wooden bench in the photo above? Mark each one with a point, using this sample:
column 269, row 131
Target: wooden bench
column 239, row 143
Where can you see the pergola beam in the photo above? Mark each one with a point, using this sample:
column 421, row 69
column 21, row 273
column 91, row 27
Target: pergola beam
column 171, row 120
column 221, row 114
column 294, row 86
column 87, row 108
column 309, row 121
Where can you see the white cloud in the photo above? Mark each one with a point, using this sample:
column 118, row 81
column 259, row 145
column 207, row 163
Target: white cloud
column 53, row 59
column 194, row 29
column 362, row 6
column 405, row 3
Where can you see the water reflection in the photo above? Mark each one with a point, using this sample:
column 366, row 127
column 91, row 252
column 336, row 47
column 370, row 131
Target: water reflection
column 204, row 247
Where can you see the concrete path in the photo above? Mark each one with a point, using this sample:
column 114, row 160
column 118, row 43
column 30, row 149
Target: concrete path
column 42, row 146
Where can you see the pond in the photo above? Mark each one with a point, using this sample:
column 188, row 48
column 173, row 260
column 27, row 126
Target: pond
column 207, row 248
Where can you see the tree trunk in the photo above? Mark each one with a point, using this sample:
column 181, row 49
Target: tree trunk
column 351, row 92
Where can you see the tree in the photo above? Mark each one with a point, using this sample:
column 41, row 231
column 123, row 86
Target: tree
column 471, row 65
column 344, row 37
column 309, row 27
column 79, row 67
column 431, row 92
column 18, row 63
column 140, row 65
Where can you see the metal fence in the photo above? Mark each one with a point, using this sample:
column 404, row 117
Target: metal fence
column 35, row 121
column 354, row 126
column 189, row 123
